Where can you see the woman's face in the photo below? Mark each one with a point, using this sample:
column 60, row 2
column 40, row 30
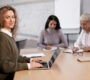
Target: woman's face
column 52, row 24
column 85, row 25
column 9, row 19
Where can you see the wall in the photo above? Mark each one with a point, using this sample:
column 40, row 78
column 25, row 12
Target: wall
column 32, row 16
column 68, row 12
column 85, row 6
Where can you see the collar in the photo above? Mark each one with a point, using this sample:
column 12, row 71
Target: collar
column 50, row 30
column 6, row 32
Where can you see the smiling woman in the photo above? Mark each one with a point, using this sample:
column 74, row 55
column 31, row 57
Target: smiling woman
column 10, row 61
column 9, row 20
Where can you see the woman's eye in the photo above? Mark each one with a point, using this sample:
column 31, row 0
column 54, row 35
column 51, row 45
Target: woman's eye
column 7, row 17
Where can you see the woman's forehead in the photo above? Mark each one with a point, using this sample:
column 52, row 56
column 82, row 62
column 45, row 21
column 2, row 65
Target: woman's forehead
column 83, row 21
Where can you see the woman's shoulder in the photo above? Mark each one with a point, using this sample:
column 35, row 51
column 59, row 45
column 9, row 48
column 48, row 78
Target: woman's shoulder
column 82, row 32
column 3, row 36
column 59, row 31
column 43, row 31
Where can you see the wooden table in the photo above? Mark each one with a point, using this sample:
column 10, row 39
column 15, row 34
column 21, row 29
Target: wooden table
column 66, row 67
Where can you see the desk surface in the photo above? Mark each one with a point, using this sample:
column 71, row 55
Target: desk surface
column 66, row 67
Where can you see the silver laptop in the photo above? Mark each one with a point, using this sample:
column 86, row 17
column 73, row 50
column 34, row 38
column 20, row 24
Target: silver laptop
column 52, row 60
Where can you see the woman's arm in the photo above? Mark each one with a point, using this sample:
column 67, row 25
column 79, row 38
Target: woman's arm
column 8, row 60
column 41, row 40
column 79, row 40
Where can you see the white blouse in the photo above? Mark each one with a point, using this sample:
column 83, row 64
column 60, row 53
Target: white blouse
column 83, row 40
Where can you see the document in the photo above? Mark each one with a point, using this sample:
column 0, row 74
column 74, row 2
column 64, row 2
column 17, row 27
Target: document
column 83, row 59
column 71, row 51
column 33, row 54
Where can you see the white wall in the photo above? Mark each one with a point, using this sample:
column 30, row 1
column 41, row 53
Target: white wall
column 32, row 17
column 33, row 14
column 68, row 12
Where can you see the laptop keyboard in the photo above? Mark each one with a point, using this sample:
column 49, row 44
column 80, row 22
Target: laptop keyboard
column 45, row 65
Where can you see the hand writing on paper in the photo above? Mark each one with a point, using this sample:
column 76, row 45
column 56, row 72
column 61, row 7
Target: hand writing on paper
column 48, row 47
column 75, row 48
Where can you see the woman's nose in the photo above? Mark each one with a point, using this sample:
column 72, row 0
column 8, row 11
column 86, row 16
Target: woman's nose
column 11, row 19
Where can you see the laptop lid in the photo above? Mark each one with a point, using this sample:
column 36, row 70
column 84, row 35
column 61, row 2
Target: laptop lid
column 54, row 56
column 52, row 60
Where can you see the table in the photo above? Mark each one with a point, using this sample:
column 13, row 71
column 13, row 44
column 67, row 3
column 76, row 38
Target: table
column 66, row 67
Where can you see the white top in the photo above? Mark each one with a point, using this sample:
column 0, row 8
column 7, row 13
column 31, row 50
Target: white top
column 83, row 40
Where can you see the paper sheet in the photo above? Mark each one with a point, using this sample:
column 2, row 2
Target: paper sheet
column 33, row 54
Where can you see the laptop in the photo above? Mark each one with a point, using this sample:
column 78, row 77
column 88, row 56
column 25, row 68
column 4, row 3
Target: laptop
column 52, row 60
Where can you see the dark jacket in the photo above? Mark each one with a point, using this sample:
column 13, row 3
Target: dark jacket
column 10, row 61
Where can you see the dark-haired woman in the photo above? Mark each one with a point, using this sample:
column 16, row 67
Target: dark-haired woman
column 52, row 36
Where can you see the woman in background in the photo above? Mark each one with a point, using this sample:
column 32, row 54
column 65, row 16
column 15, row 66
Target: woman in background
column 83, row 40
column 52, row 36
column 10, row 61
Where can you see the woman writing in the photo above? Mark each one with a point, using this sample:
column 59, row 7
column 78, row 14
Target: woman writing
column 83, row 40
column 52, row 36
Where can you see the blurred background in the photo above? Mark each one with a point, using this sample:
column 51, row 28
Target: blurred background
column 34, row 13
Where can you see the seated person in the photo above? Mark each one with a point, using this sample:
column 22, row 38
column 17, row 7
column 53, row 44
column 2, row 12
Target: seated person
column 83, row 40
column 52, row 36
column 10, row 61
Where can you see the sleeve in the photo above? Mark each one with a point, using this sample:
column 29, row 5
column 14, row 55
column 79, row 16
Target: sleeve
column 63, row 40
column 41, row 40
column 78, row 41
column 23, row 59
column 9, row 63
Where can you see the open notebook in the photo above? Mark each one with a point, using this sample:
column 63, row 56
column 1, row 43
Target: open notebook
column 71, row 51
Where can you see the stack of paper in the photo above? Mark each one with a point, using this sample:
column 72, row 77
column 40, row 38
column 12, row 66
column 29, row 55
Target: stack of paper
column 33, row 54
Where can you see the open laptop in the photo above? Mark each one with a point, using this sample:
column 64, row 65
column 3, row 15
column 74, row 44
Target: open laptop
column 52, row 60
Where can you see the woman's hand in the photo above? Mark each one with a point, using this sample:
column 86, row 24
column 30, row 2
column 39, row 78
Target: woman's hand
column 37, row 60
column 86, row 49
column 75, row 48
column 48, row 47
column 35, row 65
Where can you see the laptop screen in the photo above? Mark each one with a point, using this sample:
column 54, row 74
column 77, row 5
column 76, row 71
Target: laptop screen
column 54, row 56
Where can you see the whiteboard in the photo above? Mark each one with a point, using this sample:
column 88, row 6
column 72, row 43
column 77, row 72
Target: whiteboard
column 68, row 12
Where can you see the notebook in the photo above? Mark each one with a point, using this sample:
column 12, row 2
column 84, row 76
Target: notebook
column 71, row 51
